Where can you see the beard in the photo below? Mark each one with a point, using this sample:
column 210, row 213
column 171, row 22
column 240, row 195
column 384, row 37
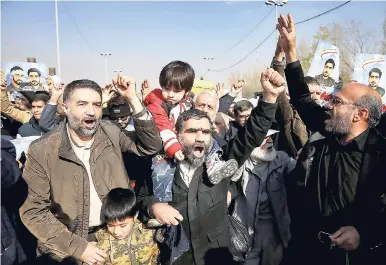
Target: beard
column 34, row 83
column 189, row 150
column 17, row 81
column 76, row 124
column 339, row 124
column 266, row 154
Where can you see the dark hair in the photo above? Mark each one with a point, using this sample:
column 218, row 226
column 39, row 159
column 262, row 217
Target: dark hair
column 190, row 114
column 119, row 204
column 79, row 84
column 15, row 68
column 34, row 70
column 241, row 106
column 40, row 97
column 311, row 81
column 116, row 100
column 374, row 107
column 178, row 74
column 331, row 61
column 376, row 70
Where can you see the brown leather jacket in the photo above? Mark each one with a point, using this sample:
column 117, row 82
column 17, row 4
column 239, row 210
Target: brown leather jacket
column 56, row 210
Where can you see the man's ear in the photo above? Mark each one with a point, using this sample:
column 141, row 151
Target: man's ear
column 362, row 114
column 65, row 108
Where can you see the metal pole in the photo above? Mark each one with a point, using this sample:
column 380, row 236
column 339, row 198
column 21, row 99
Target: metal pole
column 57, row 36
column 107, row 77
column 277, row 32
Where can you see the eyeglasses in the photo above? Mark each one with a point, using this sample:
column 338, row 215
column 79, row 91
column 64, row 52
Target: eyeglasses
column 338, row 102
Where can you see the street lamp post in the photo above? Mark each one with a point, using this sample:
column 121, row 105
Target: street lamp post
column 105, row 55
column 57, row 36
column 276, row 3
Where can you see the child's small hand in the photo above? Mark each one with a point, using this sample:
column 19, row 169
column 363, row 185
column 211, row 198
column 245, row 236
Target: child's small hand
column 179, row 155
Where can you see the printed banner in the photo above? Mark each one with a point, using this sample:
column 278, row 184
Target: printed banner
column 370, row 69
column 200, row 85
column 25, row 76
column 325, row 66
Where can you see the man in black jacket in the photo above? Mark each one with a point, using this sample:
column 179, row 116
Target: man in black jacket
column 200, row 206
column 343, row 211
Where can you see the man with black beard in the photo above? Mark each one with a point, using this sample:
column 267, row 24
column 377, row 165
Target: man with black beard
column 198, row 205
column 17, row 78
column 70, row 170
column 34, row 76
column 262, row 204
column 343, row 210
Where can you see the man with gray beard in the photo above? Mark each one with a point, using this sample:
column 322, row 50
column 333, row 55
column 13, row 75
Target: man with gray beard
column 71, row 169
column 262, row 205
column 342, row 207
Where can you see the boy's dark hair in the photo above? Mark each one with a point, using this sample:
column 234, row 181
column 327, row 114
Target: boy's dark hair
column 241, row 106
column 311, row 81
column 331, row 61
column 119, row 204
column 376, row 70
column 178, row 74
column 78, row 84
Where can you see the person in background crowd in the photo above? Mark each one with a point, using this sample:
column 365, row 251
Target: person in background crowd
column 17, row 75
column 32, row 128
column 17, row 244
column 262, row 204
column 120, row 113
column 314, row 87
column 343, row 171
column 125, row 239
column 50, row 83
column 325, row 79
column 11, row 117
column 374, row 77
column 200, row 206
column 51, row 115
column 70, row 170
column 222, row 129
column 228, row 101
column 208, row 102
column 293, row 133
column 34, row 75
column 242, row 111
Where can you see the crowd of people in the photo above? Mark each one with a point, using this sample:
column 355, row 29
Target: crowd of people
column 176, row 178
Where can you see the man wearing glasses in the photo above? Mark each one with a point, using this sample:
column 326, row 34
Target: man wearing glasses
column 343, row 208
column 120, row 113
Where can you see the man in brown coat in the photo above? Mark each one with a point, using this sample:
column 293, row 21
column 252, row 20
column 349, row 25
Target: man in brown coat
column 71, row 169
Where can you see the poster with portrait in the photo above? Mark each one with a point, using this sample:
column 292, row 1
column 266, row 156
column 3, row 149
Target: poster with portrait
column 200, row 85
column 325, row 66
column 24, row 76
column 370, row 69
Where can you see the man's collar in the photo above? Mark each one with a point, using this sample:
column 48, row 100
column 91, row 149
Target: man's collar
column 359, row 141
column 73, row 142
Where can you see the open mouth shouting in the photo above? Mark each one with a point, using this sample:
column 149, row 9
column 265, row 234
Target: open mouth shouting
column 89, row 123
column 198, row 150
